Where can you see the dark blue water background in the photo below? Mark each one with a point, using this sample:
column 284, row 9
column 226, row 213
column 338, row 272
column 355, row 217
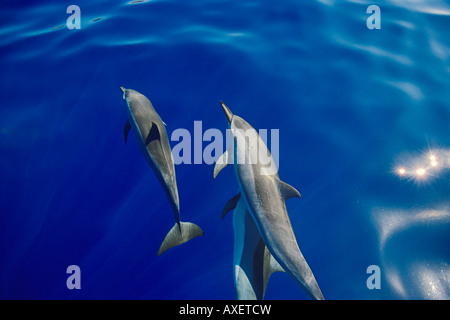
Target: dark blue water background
column 351, row 105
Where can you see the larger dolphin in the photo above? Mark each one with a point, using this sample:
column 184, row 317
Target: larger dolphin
column 153, row 141
column 253, row 264
column 265, row 195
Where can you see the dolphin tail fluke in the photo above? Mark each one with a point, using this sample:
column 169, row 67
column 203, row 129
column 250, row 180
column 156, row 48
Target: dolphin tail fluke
column 175, row 237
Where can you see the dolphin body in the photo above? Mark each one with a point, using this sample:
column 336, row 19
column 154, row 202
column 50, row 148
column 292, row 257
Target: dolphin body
column 153, row 141
column 253, row 263
column 265, row 195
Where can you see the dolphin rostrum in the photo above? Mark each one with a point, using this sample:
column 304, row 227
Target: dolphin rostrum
column 253, row 263
column 153, row 141
column 265, row 195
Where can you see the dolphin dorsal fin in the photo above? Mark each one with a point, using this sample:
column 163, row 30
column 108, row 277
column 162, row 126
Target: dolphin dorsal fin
column 126, row 129
column 231, row 204
column 287, row 191
column 153, row 134
column 270, row 266
column 222, row 162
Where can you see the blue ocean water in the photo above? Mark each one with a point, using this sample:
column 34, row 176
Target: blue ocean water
column 363, row 118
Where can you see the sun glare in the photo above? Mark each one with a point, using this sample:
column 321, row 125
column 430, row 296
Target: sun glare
column 420, row 172
column 401, row 171
column 423, row 167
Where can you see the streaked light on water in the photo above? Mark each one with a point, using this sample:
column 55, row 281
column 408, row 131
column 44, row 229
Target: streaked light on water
column 413, row 273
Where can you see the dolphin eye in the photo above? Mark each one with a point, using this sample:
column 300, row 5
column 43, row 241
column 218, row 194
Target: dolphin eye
column 263, row 195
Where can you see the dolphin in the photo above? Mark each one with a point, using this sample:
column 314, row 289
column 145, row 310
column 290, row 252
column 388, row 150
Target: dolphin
column 265, row 195
column 253, row 263
column 153, row 141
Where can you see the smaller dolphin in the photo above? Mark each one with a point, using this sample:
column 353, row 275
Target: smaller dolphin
column 153, row 141
column 253, row 263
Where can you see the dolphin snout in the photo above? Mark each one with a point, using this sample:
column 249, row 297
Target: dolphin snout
column 227, row 111
column 124, row 92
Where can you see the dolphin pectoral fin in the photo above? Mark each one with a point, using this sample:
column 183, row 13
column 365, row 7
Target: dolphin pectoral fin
column 153, row 134
column 126, row 129
column 222, row 162
column 231, row 204
column 244, row 289
column 287, row 191
column 175, row 237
